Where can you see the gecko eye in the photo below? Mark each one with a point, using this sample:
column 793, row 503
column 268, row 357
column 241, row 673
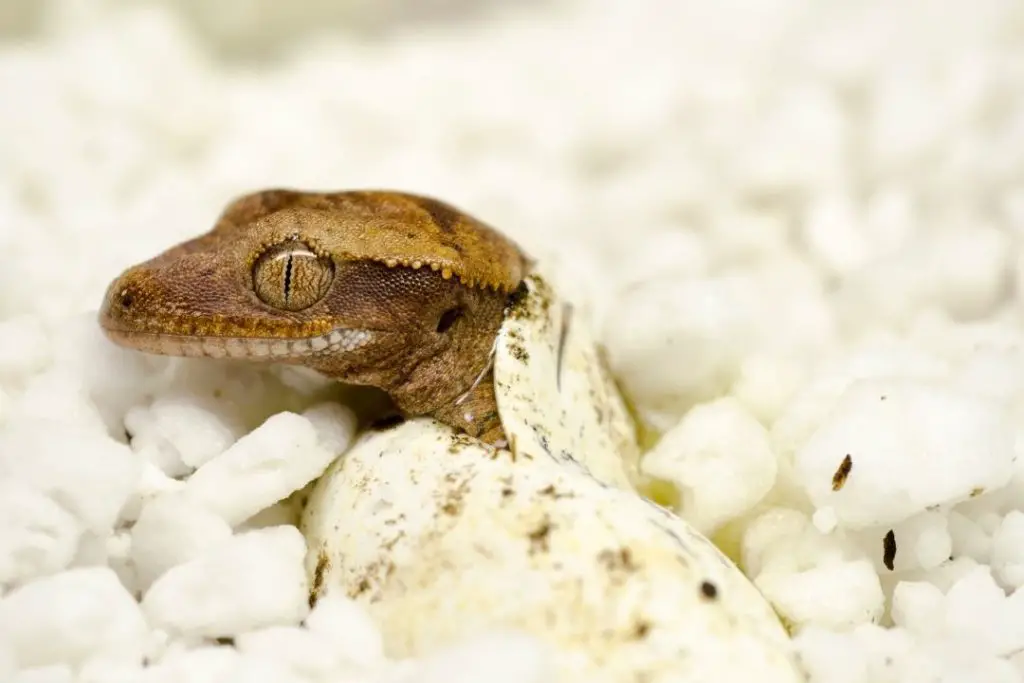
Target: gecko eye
column 291, row 276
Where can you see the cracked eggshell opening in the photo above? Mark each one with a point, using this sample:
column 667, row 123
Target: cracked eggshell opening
column 555, row 393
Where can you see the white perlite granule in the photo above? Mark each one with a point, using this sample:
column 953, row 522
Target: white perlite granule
column 796, row 226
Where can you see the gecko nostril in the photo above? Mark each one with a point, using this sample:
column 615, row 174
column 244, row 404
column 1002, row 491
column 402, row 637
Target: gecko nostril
column 127, row 298
column 448, row 319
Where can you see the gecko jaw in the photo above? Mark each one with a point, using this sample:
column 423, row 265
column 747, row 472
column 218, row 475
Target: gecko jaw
column 337, row 340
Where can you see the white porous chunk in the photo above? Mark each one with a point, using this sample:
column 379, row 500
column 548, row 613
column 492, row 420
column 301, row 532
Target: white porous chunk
column 334, row 423
column 111, row 550
column 212, row 664
column 833, row 236
column 918, row 606
column 930, row 542
column 113, row 377
column 140, row 427
column 816, row 401
column 976, row 612
column 810, row 577
column 830, row 656
column 37, row 536
column 55, row 392
column 82, row 469
column 972, row 267
column 765, row 534
column 281, row 513
column 1008, row 550
column 72, row 616
column 974, row 667
column 659, row 324
column 766, row 384
column 1011, row 624
column 969, row 538
column 537, row 545
column 911, row 444
column 944, row 576
column 58, row 673
column 279, row 457
column 836, row 595
column 824, row 520
column 964, row 272
column 807, row 116
column 663, row 252
column 25, row 349
column 265, row 669
column 153, row 482
column 7, row 663
column 496, row 657
column 251, row 581
column 295, row 649
column 741, row 234
column 994, row 372
column 720, row 456
column 170, row 530
column 906, row 125
column 345, row 627
column 1019, row 268
column 194, row 429
column 206, row 664
column 103, row 671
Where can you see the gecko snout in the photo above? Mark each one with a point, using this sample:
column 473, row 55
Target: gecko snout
column 119, row 302
column 135, row 302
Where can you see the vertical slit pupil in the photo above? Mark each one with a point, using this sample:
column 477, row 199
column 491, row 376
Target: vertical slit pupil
column 288, row 278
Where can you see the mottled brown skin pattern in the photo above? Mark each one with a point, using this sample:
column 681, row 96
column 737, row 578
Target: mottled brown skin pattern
column 426, row 283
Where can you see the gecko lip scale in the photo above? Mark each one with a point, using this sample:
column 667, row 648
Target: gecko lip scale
column 340, row 339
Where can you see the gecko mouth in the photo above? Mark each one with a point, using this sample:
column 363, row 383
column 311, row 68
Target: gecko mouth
column 337, row 340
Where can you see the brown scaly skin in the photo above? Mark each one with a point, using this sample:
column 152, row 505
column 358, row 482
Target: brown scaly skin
column 386, row 289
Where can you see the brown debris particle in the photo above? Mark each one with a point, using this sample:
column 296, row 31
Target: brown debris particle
column 618, row 560
column 373, row 577
column 519, row 353
column 460, row 442
column 709, row 590
column 977, row 491
column 539, row 537
column 839, row 478
column 361, row 587
column 889, row 550
column 452, row 502
column 552, row 492
column 641, row 628
column 391, row 543
column 323, row 563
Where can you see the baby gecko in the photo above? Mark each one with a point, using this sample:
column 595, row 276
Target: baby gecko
column 387, row 289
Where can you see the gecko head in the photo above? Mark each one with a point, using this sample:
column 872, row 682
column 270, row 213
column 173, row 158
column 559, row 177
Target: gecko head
column 380, row 288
